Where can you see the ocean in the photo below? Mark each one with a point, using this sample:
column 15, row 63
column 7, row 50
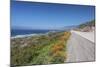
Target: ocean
column 15, row 32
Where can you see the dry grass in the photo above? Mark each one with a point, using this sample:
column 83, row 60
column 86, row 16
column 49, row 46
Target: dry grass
column 59, row 48
column 45, row 49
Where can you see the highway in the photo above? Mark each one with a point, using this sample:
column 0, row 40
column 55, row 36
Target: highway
column 80, row 49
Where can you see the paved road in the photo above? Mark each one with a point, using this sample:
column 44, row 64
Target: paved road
column 88, row 35
column 80, row 49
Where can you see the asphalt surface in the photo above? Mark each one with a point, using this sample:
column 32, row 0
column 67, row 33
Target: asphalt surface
column 80, row 49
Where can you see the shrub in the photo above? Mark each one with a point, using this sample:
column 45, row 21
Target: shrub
column 43, row 49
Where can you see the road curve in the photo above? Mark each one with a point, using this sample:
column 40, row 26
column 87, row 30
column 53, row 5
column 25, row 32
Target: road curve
column 80, row 49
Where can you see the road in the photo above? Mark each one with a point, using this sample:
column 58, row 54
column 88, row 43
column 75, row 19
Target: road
column 80, row 49
column 88, row 35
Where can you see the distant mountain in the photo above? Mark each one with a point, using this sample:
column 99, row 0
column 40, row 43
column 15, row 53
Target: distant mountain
column 84, row 26
column 87, row 26
column 65, row 28
column 89, row 23
column 69, row 27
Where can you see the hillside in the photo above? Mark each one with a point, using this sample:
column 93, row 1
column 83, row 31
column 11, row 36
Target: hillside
column 90, row 23
column 87, row 26
column 36, row 50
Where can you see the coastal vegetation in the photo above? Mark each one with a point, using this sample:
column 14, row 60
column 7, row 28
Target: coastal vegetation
column 90, row 23
column 86, row 27
column 40, row 49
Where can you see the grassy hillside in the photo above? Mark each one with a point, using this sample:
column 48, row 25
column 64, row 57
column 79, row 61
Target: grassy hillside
column 90, row 23
column 42, row 49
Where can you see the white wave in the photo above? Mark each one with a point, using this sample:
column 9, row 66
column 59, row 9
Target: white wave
column 22, row 36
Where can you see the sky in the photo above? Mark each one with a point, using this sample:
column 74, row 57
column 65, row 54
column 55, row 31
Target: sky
column 35, row 15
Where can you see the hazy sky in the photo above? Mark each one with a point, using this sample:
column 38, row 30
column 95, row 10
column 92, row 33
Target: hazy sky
column 48, row 16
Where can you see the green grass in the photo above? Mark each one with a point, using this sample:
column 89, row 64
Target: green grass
column 43, row 49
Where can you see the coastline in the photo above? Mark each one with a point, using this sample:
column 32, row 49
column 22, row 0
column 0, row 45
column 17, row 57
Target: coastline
column 23, row 36
column 28, row 35
column 34, row 34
